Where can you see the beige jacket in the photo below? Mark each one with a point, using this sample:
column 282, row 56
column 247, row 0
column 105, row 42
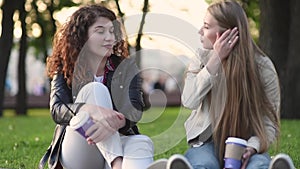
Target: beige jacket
column 199, row 82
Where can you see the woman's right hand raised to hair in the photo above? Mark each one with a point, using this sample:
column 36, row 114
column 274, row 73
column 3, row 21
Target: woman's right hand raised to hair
column 107, row 122
column 225, row 42
column 222, row 47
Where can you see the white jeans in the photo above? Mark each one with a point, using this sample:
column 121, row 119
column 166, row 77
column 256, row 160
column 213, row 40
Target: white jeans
column 137, row 150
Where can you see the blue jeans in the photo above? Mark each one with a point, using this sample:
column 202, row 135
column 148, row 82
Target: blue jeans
column 204, row 157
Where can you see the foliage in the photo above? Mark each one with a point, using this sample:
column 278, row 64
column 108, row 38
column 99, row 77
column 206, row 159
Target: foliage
column 24, row 139
column 46, row 22
column 40, row 14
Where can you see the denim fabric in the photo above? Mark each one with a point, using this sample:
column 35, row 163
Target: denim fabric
column 204, row 157
column 259, row 161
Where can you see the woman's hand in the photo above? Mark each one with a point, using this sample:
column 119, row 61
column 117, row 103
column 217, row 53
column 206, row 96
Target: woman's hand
column 246, row 156
column 222, row 47
column 107, row 122
column 225, row 42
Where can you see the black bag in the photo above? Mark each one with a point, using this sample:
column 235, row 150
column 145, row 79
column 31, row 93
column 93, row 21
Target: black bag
column 52, row 154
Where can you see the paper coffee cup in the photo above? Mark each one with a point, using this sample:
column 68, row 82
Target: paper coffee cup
column 81, row 122
column 234, row 150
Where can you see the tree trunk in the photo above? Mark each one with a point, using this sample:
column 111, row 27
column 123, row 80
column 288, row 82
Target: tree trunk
column 140, row 33
column 53, row 31
column 274, row 32
column 6, row 42
column 292, row 83
column 120, row 13
column 275, row 27
column 21, row 104
column 41, row 22
column 51, row 11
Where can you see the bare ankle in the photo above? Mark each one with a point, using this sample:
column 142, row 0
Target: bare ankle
column 117, row 163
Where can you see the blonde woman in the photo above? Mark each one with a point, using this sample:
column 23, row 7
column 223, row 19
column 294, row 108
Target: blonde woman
column 233, row 91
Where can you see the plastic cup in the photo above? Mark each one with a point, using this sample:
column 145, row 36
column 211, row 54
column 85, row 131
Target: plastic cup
column 234, row 150
column 81, row 123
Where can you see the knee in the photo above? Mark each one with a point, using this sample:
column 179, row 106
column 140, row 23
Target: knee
column 143, row 141
column 139, row 146
column 259, row 161
column 92, row 88
column 90, row 93
column 96, row 87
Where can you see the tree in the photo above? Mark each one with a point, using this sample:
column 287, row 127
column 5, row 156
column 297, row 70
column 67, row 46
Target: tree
column 46, row 22
column 140, row 33
column 21, row 103
column 6, row 42
column 120, row 13
column 280, row 38
column 138, row 46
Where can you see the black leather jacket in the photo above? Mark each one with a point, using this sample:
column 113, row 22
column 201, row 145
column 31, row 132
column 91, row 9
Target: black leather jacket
column 126, row 85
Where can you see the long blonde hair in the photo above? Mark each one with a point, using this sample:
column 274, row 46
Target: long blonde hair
column 247, row 104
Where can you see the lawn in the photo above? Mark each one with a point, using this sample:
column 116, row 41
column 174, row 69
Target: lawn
column 24, row 139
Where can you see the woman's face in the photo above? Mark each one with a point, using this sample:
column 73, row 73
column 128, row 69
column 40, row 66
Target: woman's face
column 101, row 38
column 209, row 31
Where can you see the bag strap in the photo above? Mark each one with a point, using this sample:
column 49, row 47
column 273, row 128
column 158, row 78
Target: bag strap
column 54, row 155
column 45, row 158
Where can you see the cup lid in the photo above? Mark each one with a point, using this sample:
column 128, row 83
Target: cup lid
column 236, row 140
column 78, row 120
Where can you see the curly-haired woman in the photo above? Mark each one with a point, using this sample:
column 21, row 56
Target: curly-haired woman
column 91, row 73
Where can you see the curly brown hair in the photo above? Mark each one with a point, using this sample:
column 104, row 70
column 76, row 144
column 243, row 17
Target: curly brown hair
column 71, row 37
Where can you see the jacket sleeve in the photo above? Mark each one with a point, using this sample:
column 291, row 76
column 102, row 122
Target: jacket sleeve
column 61, row 103
column 134, row 105
column 125, row 86
column 198, row 82
column 136, row 100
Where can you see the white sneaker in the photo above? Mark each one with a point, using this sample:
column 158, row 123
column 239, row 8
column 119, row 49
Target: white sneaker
column 281, row 161
column 178, row 161
column 158, row 164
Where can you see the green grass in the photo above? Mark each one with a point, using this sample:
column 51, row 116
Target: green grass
column 24, row 139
